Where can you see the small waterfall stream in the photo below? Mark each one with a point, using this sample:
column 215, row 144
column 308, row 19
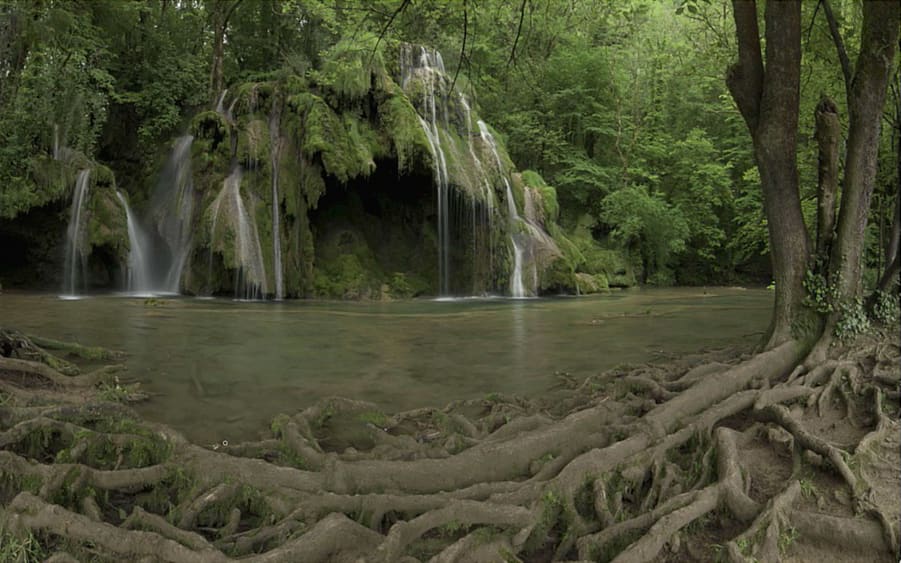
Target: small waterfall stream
column 75, row 259
column 140, row 275
column 517, row 288
column 250, row 272
column 275, row 146
column 173, row 211
column 487, row 221
column 429, row 66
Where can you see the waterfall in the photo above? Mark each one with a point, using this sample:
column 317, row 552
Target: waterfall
column 250, row 272
column 173, row 209
column 517, row 288
column 487, row 191
column 429, row 66
column 274, row 144
column 220, row 104
column 75, row 258
column 140, row 280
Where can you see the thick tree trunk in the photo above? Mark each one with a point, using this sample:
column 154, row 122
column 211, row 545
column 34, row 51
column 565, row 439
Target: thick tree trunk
column 866, row 100
column 216, row 67
column 768, row 100
column 828, row 133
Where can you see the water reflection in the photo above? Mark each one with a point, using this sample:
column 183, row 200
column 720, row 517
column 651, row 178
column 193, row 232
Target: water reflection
column 220, row 369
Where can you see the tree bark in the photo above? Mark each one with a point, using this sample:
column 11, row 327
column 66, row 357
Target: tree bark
column 220, row 12
column 768, row 99
column 866, row 100
column 828, row 133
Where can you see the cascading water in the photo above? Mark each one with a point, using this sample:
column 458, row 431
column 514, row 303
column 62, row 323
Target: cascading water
column 250, row 272
column 429, row 67
column 485, row 185
column 140, row 279
column 531, row 220
column 274, row 144
column 173, row 209
column 517, row 288
column 75, row 259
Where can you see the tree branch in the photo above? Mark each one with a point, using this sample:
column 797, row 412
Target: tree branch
column 401, row 8
column 745, row 77
column 522, row 17
column 463, row 47
column 839, row 45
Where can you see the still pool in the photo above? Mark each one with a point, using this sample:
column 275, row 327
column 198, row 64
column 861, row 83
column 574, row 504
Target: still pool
column 219, row 369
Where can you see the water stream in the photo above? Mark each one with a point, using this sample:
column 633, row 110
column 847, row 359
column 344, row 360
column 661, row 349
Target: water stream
column 140, row 277
column 250, row 272
column 173, row 209
column 429, row 67
column 517, row 288
column 220, row 369
column 75, row 267
column 275, row 146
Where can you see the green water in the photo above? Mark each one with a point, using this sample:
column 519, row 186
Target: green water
column 219, row 369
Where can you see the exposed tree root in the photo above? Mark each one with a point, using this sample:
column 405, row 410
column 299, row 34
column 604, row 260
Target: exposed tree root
column 627, row 466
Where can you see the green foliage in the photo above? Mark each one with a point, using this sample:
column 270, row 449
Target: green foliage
column 401, row 123
column 822, row 296
column 346, row 145
column 787, row 538
column 646, row 224
column 374, row 417
column 853, row 320
column 886, row 307
column 20, row 548
column 808, row 489
column 350, row 67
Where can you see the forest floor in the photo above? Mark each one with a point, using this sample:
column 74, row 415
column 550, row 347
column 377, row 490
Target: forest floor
column 723, row 455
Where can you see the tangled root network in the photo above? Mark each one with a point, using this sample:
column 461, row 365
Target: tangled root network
column 718, row 456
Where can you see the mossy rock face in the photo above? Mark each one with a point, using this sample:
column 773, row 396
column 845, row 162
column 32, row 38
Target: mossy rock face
column 346, row 268
column 337, row 128
column 254, row 144
column 107, row 225
column 252, row 99
column 592, row 283
column 408, row 140
column 214, row 128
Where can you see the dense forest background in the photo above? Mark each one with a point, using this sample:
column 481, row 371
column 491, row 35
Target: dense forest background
column 622, row 106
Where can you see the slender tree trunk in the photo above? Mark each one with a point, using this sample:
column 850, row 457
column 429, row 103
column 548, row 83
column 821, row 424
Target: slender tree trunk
column 866, row 100
column 768, row 99
column 216, row 67
column 220, row 13
column 894, row 240
column 828, row 133
column 891, row 248
column 888, row 278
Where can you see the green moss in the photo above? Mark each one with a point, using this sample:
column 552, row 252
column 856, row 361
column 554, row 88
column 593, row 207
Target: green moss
column 345, row 144
column 374, row 417
column 252, row 99
column 343, row 278
column 351, row 67
column 253, row 144
column 401, row 124
column 212, row 138
column 142, row 448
